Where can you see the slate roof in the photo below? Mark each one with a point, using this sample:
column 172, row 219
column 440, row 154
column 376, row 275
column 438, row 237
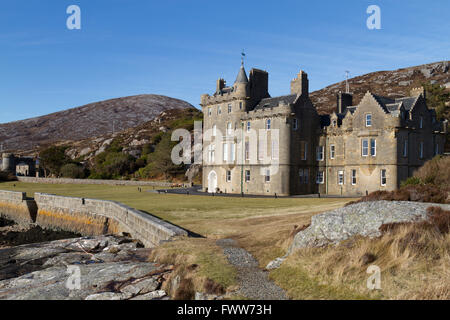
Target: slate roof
column 242, row 76
column 274, row 102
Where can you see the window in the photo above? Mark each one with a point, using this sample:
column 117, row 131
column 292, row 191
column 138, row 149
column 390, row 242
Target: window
column 267, row 177
column 268, row 124
column 421, row 122
column 421, row 150
column 229, row 128
column 383, row 177
column 320, row 151
column 295, row 123
column 240, row 105
column 233, row 151
column 340, row 177
column 229, row 108
column 228, row 176
column 214, row 130
column 365, row 148
column 209, row 111
column 225, row 152
column 300, row 174
column 353, row 177
column 436, row 149
column 334, row 123
column 320, row 179
column 247, row 150
column 219, row 110
column 368, row 120
column 373, row 147
column 332, row 151
column 275, row 150
column 249, row 126
column 405, row 148
column 247, row 175
column 305, row 176
column 303, row 150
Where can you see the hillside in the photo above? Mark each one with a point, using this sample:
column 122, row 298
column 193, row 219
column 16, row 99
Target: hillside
column 92, row 120
column 393, row 84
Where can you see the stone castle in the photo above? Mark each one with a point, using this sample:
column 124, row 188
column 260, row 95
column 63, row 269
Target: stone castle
column 263, row 145
column 21, row 166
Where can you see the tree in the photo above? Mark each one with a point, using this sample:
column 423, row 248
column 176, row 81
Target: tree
column 73, row 171
column 437, row 97
column 52, row 159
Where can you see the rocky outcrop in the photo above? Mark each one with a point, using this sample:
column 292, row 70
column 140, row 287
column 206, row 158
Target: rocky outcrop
column 364, row 219
column 109, row 268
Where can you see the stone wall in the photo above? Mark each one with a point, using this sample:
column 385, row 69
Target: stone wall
column 93, row 181
column 15, row 206
column 89, row 217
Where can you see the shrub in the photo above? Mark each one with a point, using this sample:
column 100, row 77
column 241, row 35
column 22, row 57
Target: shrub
column 73, row 171
column 411, row 181
column 7, row 176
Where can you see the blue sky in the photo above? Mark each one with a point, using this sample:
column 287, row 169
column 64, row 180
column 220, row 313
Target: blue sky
column 180, row 48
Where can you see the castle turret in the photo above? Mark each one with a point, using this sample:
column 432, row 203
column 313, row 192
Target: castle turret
column 241, row 83
column 8, row 162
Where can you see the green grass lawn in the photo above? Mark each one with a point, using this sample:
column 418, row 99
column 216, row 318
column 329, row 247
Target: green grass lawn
column 180, row 209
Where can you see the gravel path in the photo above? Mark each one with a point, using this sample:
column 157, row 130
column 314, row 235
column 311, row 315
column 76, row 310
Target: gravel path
column 254, row 283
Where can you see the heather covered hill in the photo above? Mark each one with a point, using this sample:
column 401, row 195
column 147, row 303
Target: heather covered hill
column 95, row 119
column 391, row 84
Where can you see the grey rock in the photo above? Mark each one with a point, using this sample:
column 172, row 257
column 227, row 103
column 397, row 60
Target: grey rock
column 109, row 296
column 363, row 219
column 155, row 295
column 141, row 286
column 41, row 271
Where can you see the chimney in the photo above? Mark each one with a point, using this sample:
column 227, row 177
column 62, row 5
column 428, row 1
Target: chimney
column 220, row 85
column 344, row 100
column 300, row 85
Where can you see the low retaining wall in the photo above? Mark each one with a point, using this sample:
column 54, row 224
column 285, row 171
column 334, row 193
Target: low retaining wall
column 15, row 206
column 98, row 182
column 88, row 217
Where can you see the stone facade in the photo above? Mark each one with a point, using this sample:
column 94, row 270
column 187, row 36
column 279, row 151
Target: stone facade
column 256, row 144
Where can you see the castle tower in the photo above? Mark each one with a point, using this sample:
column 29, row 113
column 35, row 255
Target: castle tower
column 8, row 162
column 241, row 83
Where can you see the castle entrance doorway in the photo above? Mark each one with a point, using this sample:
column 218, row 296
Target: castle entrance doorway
column 212, row 182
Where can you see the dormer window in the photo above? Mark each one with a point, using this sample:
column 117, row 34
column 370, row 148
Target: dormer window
column 229, row 108
column 368, row 120
column 334, row 123
column 268, row 124
column 219, row 110
column 421, row 122
column 209, row 111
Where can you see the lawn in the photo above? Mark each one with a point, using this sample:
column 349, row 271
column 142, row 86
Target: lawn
column 198, row 213
column 262, row 226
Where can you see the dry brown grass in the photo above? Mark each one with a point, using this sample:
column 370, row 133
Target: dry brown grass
column 199, row 264
column 414, row 260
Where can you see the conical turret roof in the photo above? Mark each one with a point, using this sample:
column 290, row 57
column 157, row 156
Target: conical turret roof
column 242, row 76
